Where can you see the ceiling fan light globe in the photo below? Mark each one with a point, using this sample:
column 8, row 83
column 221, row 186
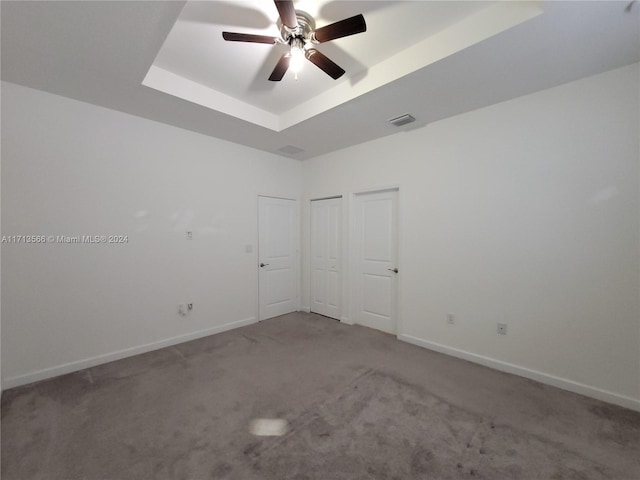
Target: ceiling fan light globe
column 297, row 59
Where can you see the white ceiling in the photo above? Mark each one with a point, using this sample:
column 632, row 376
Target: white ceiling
column 194, row 51
column 430, row 59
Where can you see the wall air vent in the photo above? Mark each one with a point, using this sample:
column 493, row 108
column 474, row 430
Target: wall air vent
column 402, row 120
column 290, row 150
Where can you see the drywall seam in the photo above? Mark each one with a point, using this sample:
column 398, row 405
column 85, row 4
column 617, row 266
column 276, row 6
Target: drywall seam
column 536, row 375
column 120, row 354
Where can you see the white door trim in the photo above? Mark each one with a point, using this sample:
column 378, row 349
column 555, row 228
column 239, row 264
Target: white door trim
column 330, row 197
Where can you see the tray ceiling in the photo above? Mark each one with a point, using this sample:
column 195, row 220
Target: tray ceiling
column 197, row 65
column 433, row 60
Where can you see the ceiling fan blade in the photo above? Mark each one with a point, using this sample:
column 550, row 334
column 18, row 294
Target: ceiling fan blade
column 287, row 13
column 343, row 28
column 248, row 37
column 325, row 64
column 281, row 68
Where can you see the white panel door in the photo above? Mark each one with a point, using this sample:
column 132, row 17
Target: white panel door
column 326, row 218
column 277, row 252
column 375, row 250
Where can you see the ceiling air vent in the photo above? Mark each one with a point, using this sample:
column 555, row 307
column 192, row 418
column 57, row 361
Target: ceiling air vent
column 402, row 120
column 290, row 150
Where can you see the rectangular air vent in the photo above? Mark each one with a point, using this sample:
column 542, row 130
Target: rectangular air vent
column 290, row 150
column 402, row 120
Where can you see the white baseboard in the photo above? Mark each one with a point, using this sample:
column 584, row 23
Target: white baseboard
column 563, row 383
column 305, row 309
column 346, row 320
column 120, row 354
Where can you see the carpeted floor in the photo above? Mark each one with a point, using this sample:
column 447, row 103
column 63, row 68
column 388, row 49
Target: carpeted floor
column 358, row 404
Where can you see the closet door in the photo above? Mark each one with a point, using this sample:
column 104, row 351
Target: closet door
column 326, row 218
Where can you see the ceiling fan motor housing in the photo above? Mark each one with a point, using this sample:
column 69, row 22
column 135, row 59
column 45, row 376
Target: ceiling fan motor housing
column 304, row 30
column 298, row 30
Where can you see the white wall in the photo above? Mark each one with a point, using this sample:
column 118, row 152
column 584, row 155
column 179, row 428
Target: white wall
column 72, row 168
column 1, row 375
column 525, row 212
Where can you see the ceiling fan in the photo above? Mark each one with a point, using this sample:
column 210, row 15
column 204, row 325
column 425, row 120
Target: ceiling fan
column 298, row 30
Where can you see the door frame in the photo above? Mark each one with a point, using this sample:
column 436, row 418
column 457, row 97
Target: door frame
column 296, row 256
column 350, row 307
column 343, row 305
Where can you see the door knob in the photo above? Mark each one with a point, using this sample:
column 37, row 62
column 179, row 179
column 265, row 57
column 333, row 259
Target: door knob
column 394, row 270
column 264, row 264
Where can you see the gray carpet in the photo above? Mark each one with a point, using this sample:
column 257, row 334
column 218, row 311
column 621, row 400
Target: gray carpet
column 358, row 405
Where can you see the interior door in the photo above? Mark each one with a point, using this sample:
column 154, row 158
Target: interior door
column 277, row 254
column 326, row 218
column 375, row 250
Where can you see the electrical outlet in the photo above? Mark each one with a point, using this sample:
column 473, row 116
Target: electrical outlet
column 189, row 235
column 502, row 328
column 451, row 319
column 189, row 307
